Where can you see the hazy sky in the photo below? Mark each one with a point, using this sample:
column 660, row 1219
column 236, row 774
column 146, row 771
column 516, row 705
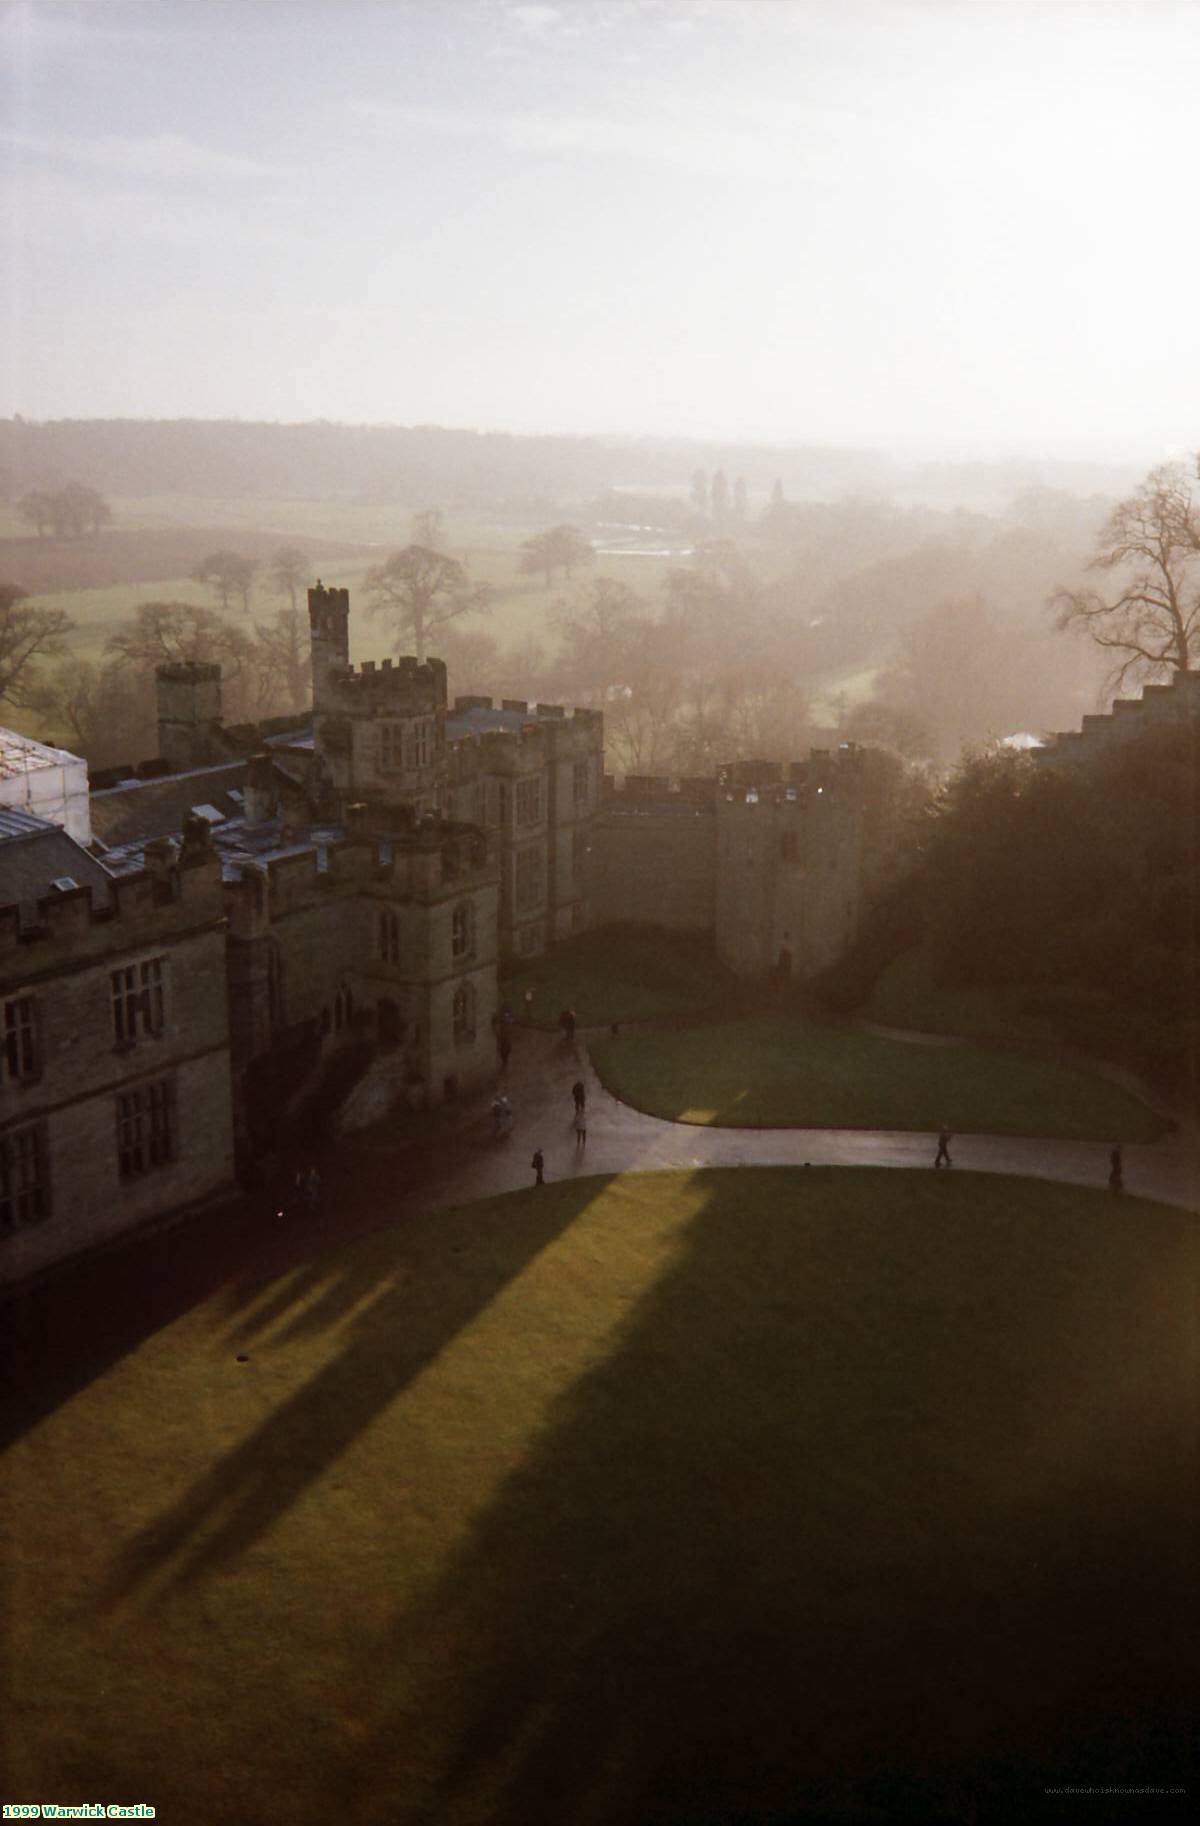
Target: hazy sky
column 928, row 226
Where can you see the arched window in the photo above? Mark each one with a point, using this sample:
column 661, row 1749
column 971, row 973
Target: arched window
column 462, row 930
column 464, row 1012
column 275, row 1001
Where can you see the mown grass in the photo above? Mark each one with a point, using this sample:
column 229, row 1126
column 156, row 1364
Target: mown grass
column 714, row 1496
column 772, row 1070
column 622, row 973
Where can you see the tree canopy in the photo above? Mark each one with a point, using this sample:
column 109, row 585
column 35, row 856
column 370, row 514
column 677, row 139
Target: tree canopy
column 27, row 635
column 560, row 548
column 419, row 590
column 1150, row 543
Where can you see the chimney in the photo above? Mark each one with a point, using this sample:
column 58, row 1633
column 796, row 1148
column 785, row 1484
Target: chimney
column 189, row 704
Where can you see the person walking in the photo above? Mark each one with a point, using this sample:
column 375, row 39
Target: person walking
column 538, row 1163
column 942, row 1157
column 579, row 1094
column 1116, row 1177
column 580, row 1128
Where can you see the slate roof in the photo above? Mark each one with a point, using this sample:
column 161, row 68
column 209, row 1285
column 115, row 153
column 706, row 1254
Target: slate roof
column 35, row 853
column 158, row 808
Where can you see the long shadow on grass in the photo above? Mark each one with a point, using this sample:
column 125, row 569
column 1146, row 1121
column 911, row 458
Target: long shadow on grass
column 876, row 1510
column 389, row 1340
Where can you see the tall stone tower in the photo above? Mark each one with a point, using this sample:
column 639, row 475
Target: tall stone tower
column 329, row 627
column 189, row 703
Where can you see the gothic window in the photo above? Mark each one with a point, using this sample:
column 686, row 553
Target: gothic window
column 462, row 930
column 578, row 852
column 529, row 876
column 502, row 802
column 464, row 1012
column 24, row 1177
column 21, row 1058
column 389, row 936
column 275, row 1004
column 146, row 1128
column 529, row 801
column 391, row 756
column 421, row 742
column 137, row 1001
column 582, row 782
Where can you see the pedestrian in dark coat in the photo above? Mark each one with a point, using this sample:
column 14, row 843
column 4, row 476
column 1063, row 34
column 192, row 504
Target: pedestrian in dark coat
column 1116, row 1178
column 580, row 1128
column 579, row 1093
column 942, row 1157
column 538, row 1163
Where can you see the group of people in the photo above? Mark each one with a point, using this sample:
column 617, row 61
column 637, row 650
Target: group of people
column 579, row 1100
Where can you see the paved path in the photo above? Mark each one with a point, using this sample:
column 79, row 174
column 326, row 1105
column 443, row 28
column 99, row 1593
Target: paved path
column 539, row 1083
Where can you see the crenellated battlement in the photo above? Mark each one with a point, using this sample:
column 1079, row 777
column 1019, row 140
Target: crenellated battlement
column 1162, row 706
column 172, row 896
column 396, row 687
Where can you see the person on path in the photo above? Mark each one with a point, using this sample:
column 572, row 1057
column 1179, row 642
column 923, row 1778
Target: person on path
column 942, row 1157
column 538, row 1163
column 1116, row 1178
column 580, row 1128
column 579, row 1094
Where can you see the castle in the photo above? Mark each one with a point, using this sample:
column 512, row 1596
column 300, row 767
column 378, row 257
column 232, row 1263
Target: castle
column 260, row 906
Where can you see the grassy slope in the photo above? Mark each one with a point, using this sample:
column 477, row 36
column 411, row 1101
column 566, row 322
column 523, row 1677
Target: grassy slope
column 773, row 1071
column 638, row 1500
column 621, row 973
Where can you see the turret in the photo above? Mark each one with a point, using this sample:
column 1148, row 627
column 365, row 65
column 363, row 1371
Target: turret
column 329, row 627
column 189, row 703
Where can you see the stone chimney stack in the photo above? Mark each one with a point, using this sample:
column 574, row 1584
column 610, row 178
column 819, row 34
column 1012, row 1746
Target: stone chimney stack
column 259, row 791
column 329, row 626
column 189, row 703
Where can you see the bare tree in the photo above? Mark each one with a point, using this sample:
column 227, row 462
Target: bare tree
column 283, row 661
column 230, row 575
column 420, row 590
column 1151, row 543
column 289, row 572
column 105, row 711
column 27, row 635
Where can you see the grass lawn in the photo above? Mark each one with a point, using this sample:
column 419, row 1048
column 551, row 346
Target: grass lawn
column 773, row 1071
column 703, row 1497
column 622, row 973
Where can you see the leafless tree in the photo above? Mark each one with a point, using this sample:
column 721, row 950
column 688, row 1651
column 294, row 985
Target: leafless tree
column 420, row 590
column 229, row 575
column 27, row 635
column 106, row 711
column 1151, row 545
column 289, row 572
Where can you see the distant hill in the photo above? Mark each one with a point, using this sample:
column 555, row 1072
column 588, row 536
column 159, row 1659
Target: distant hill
column 426, row 465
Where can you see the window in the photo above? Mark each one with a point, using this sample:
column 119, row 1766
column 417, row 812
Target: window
column 788, row 847
column 462, row 930
column 137, row 1000
column 578, row 853
column 582, row 781
column 146, row 1128
column 529, row 876
column 391, row 754
column 24, row 1178
column 464, row 1012
column 529, row 801
column 421, row 743
column 20, row 1040
column 389, row 937
column 502, row 802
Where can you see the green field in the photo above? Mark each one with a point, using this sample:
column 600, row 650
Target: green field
column 694, row 1497
column 622, row 973
column 774, row 1071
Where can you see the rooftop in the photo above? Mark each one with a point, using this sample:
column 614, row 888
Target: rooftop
column 20, row 753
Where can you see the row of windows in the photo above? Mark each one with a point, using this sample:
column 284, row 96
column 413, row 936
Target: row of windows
column 138, row 1000
column 462, row 933
column 146, row 1138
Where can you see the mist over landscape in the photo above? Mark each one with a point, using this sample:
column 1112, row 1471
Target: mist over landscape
column 599, row 683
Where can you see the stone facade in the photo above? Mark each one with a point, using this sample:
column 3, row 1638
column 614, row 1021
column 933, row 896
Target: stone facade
column 116, row 1099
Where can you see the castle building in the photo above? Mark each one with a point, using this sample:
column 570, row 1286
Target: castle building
column 115, row 1099
column 319, row 906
